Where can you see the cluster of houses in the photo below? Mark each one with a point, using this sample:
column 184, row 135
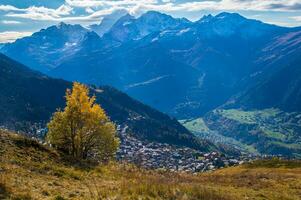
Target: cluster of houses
column 152, row 155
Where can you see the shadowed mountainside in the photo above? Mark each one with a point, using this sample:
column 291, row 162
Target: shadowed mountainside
column 28, row 97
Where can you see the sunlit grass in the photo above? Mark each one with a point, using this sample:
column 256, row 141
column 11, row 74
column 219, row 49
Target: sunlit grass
column 195, row 125
column 32, row 171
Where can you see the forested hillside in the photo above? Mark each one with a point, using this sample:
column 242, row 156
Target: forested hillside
column 28, row 97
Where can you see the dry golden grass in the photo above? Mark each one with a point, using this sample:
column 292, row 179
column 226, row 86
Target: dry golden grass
column 31, row 171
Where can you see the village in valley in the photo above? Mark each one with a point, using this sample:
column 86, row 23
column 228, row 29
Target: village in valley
column 153, row 155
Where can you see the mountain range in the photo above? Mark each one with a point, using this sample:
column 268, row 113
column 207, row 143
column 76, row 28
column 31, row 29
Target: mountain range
column 188, row 70
column 180, row 67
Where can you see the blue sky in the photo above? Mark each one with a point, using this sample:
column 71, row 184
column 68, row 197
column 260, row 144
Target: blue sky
column 19, row 18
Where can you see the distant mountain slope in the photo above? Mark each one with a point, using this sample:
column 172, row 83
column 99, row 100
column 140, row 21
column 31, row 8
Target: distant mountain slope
column 27, row 96
column 276, row 80
column 280, row 90
column 129, row 28
column 45, row 49
column 107, row 22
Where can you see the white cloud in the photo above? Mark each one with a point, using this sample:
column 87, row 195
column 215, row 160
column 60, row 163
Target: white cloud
column 235, row 5
column 10, row 22
column 84, row 3
column 168, row 5
column 104, row 3
column 9, row 8
column 296, row 18
column 63, row 10
column 10, row 36
column 96, row 16
column 63, row 13
column 89, row 10
column 41, row 13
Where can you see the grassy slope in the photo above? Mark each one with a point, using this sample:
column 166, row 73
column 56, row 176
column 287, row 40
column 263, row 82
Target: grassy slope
column 279, row 128
column 199, row 128
column 266, row 120
column 195, row 125
column 31, row 171
column 269, row 131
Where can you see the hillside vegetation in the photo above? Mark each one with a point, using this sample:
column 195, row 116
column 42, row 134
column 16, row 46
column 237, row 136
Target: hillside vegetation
column 267, row 131
column 29, row 170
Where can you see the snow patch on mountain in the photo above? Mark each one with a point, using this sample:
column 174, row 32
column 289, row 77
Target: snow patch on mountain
column 181, row 32
column 126, row 23
column 153, row 80
column 155, row 39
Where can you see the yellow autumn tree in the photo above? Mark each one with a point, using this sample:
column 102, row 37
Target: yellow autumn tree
column 83, row 129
